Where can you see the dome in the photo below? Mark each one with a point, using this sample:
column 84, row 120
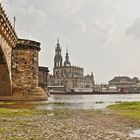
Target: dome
column 67, row 63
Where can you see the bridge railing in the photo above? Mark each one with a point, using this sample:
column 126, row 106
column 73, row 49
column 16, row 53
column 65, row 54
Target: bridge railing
column 6, row 29
column 29, row 44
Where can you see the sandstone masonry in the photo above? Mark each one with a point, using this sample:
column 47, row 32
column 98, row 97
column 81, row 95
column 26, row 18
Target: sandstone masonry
column 25, row 70
column 43, row 78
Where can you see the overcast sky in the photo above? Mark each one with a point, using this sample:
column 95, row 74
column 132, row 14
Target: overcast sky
column 103, row 36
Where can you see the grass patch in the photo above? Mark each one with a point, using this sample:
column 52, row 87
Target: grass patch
column 16, row 112
column 58, row 113
column 47, row 103
column 18, row 138
column 129, row 109
column 99, row 102
column 2, row 130
column 118, row 102
column 27, row 112
column 7, row 103
column 57, row 103
column 23, row 122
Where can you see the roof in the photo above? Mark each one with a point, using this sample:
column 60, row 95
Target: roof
column 43, row 68
column 122, row 78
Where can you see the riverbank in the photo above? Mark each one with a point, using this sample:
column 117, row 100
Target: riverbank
column 95, row 93
column 62, row 124
column 128, row 109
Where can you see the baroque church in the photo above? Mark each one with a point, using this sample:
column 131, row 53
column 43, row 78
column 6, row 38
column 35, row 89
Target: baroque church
column 67, row 76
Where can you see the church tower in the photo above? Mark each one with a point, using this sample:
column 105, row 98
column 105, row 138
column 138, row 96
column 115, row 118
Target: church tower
column 67, row 62
column 58, row 58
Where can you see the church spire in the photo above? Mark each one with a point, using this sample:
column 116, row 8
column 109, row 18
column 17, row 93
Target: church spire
column 67, row 54
column 67, row 49
column 67, row 62
column 58, row 44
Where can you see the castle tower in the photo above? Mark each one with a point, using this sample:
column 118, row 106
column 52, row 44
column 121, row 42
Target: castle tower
column 67, row 62
column 58, row 58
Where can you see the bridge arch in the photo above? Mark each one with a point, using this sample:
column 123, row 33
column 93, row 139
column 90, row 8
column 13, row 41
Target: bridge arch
column 5, row 80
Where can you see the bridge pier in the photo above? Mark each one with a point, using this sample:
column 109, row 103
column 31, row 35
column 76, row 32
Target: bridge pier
column 18, row 65
column 5, row 84
column 25, row 71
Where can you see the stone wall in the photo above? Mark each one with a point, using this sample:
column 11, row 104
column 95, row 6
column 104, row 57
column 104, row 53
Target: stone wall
column 25, row 69
column 5, row 83
column 43, row 78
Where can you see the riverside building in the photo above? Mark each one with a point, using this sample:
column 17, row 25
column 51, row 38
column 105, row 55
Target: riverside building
column 126, row 83
column 68, row 77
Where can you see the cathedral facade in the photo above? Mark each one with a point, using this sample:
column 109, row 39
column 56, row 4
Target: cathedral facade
column 68, row 76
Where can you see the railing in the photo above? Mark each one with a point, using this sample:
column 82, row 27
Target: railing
column 6, row 29
column 28, row 42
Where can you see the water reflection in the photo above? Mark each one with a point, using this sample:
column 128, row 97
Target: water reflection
column 75, row 102
column 135, row 134
column 86, row 101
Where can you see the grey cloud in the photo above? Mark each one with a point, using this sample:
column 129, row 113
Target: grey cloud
column 54, row 15
column 134, row 30
column 106, row 29
column 88, row 26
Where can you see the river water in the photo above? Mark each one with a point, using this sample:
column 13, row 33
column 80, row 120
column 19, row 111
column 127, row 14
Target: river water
column 86, row 101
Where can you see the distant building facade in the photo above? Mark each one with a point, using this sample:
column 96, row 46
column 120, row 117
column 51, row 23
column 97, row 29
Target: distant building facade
column 66, row 75
column 124, row 82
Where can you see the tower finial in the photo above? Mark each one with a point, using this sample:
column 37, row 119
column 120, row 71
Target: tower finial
column 67, row 49
column 67, row 62
column 58, row 44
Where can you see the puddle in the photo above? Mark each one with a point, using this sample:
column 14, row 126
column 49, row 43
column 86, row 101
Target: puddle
column 135, row 134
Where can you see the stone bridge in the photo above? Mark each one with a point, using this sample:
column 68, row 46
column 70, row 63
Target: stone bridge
column 8, row 40
column 18, row 65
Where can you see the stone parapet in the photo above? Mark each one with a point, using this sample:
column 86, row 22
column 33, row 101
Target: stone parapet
column 28, row 44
